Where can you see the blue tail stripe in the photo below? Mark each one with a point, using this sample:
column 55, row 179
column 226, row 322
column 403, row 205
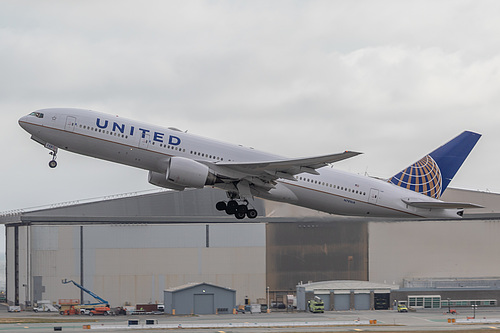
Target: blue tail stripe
column 432, row 174
column 452, row 155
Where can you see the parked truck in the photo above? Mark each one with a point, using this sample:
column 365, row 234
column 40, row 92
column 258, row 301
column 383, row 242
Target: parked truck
column 100, row 310
column 316, row 305
column 45, row 306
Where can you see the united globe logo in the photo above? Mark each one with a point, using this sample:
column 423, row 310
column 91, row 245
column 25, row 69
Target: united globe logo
column 423, row 177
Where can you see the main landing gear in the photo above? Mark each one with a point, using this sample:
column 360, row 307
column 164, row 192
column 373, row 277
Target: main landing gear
column 238, row 210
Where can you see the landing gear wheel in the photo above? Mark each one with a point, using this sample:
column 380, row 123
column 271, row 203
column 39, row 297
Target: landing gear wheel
column 52, row 164
column 252, row 213
column 221, row 205
column 232, row 203
column 230, row 210
column 242, row 209
column 239, row 215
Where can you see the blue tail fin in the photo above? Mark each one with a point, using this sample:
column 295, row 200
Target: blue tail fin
column 432, row 174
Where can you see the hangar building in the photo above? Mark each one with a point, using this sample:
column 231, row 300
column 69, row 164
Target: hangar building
column 129, row 249
column 199, row 298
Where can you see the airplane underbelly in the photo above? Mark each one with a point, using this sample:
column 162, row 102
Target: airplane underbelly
column 341, row 205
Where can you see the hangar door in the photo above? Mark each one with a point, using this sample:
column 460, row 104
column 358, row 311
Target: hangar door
column 204, row 304
column 382, row 301
column 342, row 302
column 326, row 300
column 362, row 301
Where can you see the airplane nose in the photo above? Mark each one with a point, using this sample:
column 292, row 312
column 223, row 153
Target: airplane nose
column 22, row 122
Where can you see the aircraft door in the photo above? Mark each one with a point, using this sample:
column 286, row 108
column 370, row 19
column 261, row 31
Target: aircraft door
column 70, row 124
column 144, row 141
column 373, row 196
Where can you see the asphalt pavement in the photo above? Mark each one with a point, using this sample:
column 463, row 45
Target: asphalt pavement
column 330, row 321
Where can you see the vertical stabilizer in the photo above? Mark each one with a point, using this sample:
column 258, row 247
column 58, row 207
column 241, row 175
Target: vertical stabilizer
column 432, row 174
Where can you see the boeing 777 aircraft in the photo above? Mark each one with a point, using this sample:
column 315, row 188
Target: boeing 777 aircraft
column 178, row 160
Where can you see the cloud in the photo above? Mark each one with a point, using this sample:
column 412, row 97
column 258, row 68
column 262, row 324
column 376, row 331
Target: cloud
column 389, row 78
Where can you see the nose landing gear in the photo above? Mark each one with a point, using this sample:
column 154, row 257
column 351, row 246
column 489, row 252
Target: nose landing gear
column 53, row 163
column 53, row 152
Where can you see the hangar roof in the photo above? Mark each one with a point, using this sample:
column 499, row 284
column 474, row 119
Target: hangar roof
column 195, row 284
column 347, row 285
column 162, row 206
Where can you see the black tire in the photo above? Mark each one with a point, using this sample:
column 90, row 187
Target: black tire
column 61, row 313
column 52, row 164
column 252, row 213
column 221, row 205
column 91, row 313
column 230, row 210
column 239, row 215
column 242, row 209
column 232, row 203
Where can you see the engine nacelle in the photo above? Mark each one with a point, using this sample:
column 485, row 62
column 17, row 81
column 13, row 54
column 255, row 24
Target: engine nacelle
column 181, row 173
column 189, row 173
column 159, row 179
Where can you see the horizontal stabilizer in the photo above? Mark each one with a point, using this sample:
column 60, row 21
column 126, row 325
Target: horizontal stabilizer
column 441, row 204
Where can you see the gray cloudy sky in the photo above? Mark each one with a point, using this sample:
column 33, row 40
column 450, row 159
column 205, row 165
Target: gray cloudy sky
column 392, row 79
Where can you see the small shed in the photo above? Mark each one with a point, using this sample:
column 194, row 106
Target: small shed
column 199, row 298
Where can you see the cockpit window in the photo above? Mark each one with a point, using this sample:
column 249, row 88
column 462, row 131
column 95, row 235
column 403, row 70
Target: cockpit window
column 37, row 114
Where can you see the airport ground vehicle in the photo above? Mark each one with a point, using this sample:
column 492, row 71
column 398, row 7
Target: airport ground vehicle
column 72, row 310
column 102, row 304
column 45, row 306
column 402, row 308
column 316, row 305
column 101, row 310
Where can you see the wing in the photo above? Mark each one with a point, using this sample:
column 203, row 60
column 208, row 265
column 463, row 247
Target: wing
column 441, row 204
column 262, row 174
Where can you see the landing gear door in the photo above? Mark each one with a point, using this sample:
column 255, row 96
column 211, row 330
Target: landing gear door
column 373, row 196
column 70, row 124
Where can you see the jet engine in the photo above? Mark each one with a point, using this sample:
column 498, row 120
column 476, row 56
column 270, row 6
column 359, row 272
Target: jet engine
column 182, row 173
column 159, row 179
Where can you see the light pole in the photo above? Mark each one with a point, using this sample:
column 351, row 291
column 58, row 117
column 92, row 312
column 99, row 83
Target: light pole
column 449, row 305
column 268, row 309
column 474, row 306
column 26, row 301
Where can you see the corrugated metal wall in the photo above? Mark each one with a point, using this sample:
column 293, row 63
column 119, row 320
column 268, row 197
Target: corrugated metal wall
column 433, row 249
column 201, row 299
column 135, row 263
column 315, row 251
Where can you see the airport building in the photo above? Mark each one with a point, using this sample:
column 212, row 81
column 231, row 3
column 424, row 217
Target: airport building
column 131, row 249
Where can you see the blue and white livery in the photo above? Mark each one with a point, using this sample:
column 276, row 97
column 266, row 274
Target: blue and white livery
column 178, row 160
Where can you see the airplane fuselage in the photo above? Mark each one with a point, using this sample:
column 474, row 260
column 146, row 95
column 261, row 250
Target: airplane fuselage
column 150, row 147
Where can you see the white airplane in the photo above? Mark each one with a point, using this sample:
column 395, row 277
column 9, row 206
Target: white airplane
column 178, row 160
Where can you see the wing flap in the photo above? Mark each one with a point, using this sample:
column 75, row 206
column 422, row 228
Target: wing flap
column 263, row 174
column 441, row 204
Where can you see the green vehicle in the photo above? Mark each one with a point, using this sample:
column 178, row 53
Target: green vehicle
column 316, row 305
